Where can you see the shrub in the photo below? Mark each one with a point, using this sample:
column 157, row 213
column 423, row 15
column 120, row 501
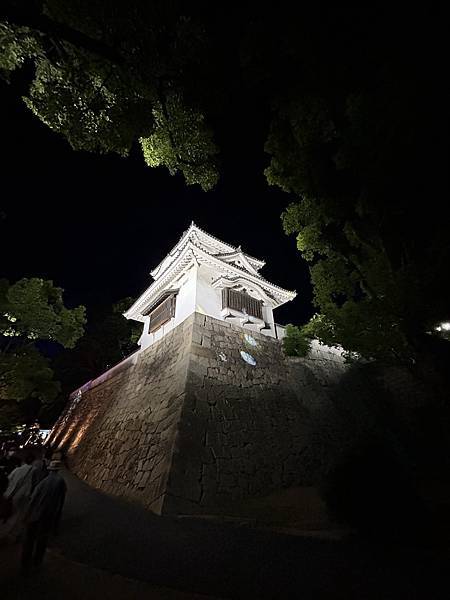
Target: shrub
column 296, row 342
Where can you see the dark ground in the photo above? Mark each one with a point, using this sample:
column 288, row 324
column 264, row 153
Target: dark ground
column 130, row 553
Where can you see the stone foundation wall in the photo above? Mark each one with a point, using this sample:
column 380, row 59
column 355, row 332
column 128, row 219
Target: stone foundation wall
column 245, row 429
column 120, row 435
column 192, row 426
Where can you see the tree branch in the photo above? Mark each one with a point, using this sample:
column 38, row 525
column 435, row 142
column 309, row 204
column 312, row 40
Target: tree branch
column 47, row 26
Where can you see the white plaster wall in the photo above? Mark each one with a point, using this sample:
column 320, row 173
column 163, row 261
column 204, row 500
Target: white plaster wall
column 268, row 317
column 187, row 293
column 280, row 331
column 184, row 307
column 196, row 294
column 209, row 299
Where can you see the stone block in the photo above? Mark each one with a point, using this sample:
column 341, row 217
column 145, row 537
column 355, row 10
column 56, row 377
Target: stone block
column 198, row 350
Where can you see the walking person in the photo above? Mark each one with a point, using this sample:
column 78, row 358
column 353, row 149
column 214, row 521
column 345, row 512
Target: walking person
column 43, row 515
column 21, row 482
column 41, row 466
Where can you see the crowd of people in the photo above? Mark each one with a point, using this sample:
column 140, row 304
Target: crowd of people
column 32, row 494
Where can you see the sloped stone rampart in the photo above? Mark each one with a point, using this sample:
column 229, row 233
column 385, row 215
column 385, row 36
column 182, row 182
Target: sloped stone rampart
column 189, row 425
column 120, row 435
column 246, row 429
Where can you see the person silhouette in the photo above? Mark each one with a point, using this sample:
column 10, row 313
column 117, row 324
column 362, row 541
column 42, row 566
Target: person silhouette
column 43, row 515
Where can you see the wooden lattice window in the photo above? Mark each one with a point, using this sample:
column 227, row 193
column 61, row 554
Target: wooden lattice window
column 242, row 302
column 162, row 313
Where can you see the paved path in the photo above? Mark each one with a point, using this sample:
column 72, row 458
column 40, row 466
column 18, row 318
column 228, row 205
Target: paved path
column 63, row 579
column 229, row 561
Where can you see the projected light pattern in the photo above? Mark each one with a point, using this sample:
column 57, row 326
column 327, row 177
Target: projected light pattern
column 248, row 358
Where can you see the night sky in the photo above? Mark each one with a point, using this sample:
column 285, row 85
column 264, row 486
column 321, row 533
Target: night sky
column 96, row 225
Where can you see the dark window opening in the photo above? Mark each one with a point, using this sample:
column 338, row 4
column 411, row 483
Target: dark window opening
column 162, row 313
column 242, row 302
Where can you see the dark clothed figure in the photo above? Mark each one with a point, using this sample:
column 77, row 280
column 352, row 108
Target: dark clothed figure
column 43, row 515
column 41, row 469
column 6, row 506
column 21, row 483
column 9, row 462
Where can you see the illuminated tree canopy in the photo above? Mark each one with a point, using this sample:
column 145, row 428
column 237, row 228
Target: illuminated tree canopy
column 352, row 123
column 110, row 73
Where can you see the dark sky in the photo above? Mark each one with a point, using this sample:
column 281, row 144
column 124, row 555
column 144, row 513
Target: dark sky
column 96, row 225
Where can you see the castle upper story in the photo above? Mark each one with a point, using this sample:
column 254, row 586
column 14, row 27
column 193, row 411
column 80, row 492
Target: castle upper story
column 205, row 275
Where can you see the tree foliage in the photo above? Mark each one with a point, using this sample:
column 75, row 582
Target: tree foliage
column 109, row 338
column 33, row 309
column 297, row 341
column 355, row 220
column 351, row 111
column 355, row 138
column 180, row 141
column 110, row 74
column 32, row 312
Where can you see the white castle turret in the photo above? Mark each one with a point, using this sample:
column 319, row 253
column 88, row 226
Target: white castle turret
column 205, row 275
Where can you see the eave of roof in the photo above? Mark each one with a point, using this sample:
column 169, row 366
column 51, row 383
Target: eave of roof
column 229, row 249
column 138, row 306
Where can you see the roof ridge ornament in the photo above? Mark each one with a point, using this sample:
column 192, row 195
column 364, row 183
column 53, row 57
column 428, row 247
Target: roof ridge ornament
column 230, row 266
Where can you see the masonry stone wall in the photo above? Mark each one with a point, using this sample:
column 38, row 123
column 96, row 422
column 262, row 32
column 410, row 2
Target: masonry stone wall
column 214, row 413
column 119, row 437
column 246, row 430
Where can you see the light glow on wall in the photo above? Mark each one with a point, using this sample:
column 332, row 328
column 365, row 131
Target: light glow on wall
column 248, row 358
column 250, row 340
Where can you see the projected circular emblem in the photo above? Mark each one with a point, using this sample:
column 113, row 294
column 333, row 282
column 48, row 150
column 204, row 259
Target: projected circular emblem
column 250, row 340
column 248, row 358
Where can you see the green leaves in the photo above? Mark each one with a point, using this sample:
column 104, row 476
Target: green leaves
column 104, row 81
column 181, row 141
column 87, row 100
column 297, row 341
column 369, row 290
column 300, row 141
column 24, row 374
column 309, row 220
column 17, row 44
column 32, row 311
column 362, row 300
